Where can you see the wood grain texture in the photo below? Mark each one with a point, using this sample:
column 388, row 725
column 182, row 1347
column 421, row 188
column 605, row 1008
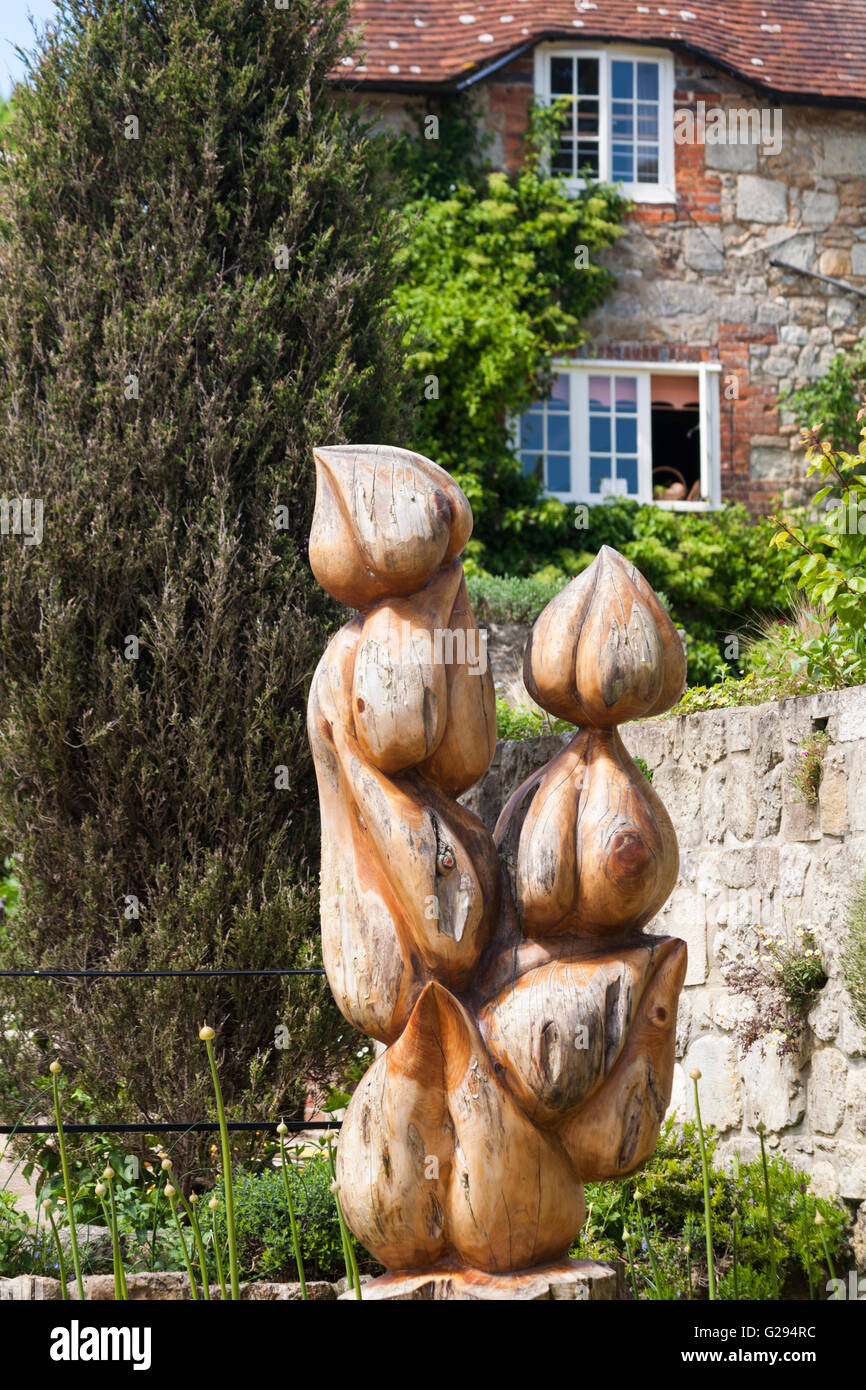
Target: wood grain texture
column 530, row 1024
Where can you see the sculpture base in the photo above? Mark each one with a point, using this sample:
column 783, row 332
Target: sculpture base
column 572, row 1279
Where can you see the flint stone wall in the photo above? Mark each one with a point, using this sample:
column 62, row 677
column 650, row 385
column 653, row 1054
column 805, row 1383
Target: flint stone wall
column 753, row 854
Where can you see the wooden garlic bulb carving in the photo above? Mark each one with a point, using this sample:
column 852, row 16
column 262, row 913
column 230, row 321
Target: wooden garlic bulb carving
column 529, row 1022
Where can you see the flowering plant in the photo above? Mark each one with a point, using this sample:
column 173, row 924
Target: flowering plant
column 783, row 979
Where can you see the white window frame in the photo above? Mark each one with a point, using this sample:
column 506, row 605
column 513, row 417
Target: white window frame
column 664, row 191
column 707, row 376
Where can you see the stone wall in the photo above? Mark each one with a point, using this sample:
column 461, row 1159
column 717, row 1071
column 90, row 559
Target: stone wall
column 753, row 854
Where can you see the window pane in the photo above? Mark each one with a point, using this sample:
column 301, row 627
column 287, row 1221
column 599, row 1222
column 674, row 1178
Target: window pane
column 557, row 433
column 622, row 120
column 626, row 470
column 648, row 81
column 621, row 79
column 545, row 437
column 561, row 76
column 599, row 392
column 622, row 164
column 648, row 164
column 558, row 473
column 587, row 158
column 626, row 393
column 647, row 122
column 563, row 159
column 587, row 76
column 599, row 433
column 587, row 118
column 626, row 437
column 599, row 470
column 531, row 431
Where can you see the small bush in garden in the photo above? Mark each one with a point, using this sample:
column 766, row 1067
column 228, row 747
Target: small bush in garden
column 264, row 1233
column 667, row 1224
column 828, row 563
column 714, row 574
column 526, row 723
column 511, row 598
column 19, row 1253
column 782, row 980
column 805, row 772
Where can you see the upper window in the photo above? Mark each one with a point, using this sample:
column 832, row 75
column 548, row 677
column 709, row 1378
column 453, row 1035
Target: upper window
column 619, row 125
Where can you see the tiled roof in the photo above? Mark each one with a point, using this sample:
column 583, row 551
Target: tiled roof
column 798, row 48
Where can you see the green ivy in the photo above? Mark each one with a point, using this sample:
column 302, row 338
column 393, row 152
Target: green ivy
column 490, row 287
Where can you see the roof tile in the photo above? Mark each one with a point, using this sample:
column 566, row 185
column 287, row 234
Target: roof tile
column 789, row 47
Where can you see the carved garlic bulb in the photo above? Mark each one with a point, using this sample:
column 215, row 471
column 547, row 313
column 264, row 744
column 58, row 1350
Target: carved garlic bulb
column 530, row 1024
column 604, row 650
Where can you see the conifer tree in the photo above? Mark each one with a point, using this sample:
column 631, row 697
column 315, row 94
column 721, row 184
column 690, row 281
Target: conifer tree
column 195, row 254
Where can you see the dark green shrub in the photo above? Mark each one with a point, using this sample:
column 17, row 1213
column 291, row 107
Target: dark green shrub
column 262, row 1222
column 183, row 315
column 714, row 572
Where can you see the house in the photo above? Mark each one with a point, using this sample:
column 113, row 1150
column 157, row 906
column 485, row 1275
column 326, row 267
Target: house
column 738, row 129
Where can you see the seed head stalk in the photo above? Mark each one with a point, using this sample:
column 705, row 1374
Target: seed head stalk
column 771, row 1241
column 171, row 1194
column 282, row 1130
column 207, row 1036
column 705, row 1168
column 67, row 1185
column 61, row 1262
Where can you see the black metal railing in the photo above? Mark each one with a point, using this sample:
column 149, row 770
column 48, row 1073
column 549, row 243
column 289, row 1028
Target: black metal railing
column 159, row 1126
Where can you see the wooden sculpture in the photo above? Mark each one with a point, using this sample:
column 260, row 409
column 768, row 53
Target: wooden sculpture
column 529, row 1022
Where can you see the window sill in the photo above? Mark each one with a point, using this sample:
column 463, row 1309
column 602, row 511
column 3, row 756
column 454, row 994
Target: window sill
column 635, row 192
column 667, row 505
